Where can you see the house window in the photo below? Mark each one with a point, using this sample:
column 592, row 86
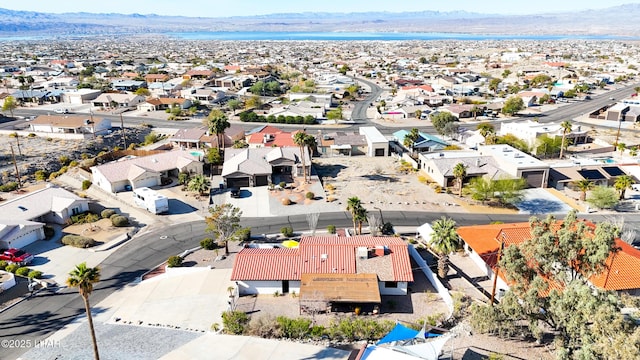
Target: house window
column 391, row 284
column 75, row 211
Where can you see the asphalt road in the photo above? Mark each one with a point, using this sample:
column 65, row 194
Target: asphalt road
column 47, row 312
column 359, row 112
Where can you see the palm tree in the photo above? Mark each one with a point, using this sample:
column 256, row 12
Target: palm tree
column 621, row 147
column 217, row 123
column 444, row 241
column 583, row 185
column 411, row 138
column 475, row 110
column 460, row 172
column 633, row 152
column 566, row 128
column 303, row 140
column 623, row 183
column 486, row 130
column 83, row 278
column 353, row 205
column 361, row 217
column 199, row 183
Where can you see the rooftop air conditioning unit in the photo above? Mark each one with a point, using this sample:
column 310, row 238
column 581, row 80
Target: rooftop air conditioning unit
column 362, row 252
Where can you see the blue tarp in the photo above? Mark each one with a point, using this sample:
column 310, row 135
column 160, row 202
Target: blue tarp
column 401, row 332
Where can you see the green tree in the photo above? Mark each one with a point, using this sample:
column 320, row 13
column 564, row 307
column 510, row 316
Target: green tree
column 83, row 278
column 513, row 105
column 475, row 110
column 509, row 190
column 566, row 129
column 623, row 183
column 199, row 184
column 583, row 186
column 441, row 119
column 486, row 130
column 335, row 114
column 481, row 189
column 10, row 104
column 444, row 241
column 548, row 146
column 603, row 197
column 253, row 102
column 217, row 123
column 234, row 104
column 493, row 84
column 304, row 141
column 506, row 73
column 142, row 92
column 224, row 222
column 343, row 69
column 353, row 206
column 459, row 173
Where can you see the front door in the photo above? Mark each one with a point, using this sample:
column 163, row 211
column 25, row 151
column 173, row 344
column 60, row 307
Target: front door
column 285, row 286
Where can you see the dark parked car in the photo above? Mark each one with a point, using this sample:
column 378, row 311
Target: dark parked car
column 235, row 192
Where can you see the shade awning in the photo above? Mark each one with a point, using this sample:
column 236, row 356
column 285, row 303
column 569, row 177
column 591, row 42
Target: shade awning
column 340, row 288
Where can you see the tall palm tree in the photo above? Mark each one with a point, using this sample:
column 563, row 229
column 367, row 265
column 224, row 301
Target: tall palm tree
column 217, row 123
column 361, row 217
column 566, row 128
column 460, row 172
column 486, row 130
column 304, row 140
column 623, row 183
column 83, row 278
column 583, row 186
column 444, row 241
column 353, row 206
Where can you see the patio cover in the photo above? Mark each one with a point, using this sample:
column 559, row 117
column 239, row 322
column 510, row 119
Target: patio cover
column 340, row 288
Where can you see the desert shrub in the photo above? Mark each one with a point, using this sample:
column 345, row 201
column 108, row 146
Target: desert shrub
column 107, row 213
column 243, row 234
column 286, row 201
column 287, row 231
column 12, row 268
column 350, row 329
column 3, row 264
column 330, row 187
column 208, row 244
column 64, row 160
column 13, row 135
column 31, row 135
column 86, row 184
column 387, row 228
column 114, row 215
column 54, row 175
column 73, row 163
column 132, row 146
column 49, row 231
column 234, row 322
column 119, row 221
column 41, row 175
column 85, row 218
column 10, row 186
column 23, row 271
column 282, row 184
column 310, row 195
column 294, row 328
column 78, row 241
column 331, row 229
column 34, row 274
column 63, row 169
column 174, row 261
column 263, row 326
column 438, row 189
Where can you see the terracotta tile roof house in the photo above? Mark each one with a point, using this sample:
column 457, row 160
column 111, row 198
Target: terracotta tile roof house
column 144, row 171
column 163, row 103
column 270, row 136
column 198, row 74
column 483, row 241
column 381, row 265
column 151, row 78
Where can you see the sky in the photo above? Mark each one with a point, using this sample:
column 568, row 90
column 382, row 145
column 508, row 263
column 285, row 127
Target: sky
column 211, row 8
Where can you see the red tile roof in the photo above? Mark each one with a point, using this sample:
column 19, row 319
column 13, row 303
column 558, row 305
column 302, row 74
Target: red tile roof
column 624, row 265
column 318, row 255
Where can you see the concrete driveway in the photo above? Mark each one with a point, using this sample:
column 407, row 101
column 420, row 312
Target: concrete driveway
column 541, row 202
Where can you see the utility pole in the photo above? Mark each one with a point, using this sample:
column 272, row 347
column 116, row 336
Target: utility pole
column 93, row 125
column 13, row 155
column 18, row 142
column 124, row 138
column 495, row 275
column 615, row 146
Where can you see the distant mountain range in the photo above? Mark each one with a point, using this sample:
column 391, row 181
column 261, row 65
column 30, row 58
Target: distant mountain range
column 618, row 20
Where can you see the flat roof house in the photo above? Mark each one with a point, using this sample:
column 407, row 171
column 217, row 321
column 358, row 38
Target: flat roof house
column 377, row 144
column 518, row 164
column 70, row 124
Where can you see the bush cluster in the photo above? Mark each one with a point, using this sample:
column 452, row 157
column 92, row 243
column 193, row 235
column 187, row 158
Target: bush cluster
column 287, row 231
column 86, row 184
column 41, row 175
column 78, row 241
column 85, row 218
column 10, row 186
column 282, row 327
column 23, row 271
column 174, row 261
column 119, row 221
column 3, row 264
column 12, row 268
column 107, row 213
column 331, row 229
column 34, row 274
column 243, row 234
column 250, row 116
column 310, row 195
column 208, row 244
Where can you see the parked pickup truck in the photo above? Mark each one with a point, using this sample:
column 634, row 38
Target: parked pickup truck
column 16, row 256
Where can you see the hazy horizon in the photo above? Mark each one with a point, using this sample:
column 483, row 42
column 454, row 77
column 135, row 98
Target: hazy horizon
column 205, row 8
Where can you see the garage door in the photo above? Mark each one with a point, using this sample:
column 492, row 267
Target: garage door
column 534, row 178
column 262, row 180
column 237, row 182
